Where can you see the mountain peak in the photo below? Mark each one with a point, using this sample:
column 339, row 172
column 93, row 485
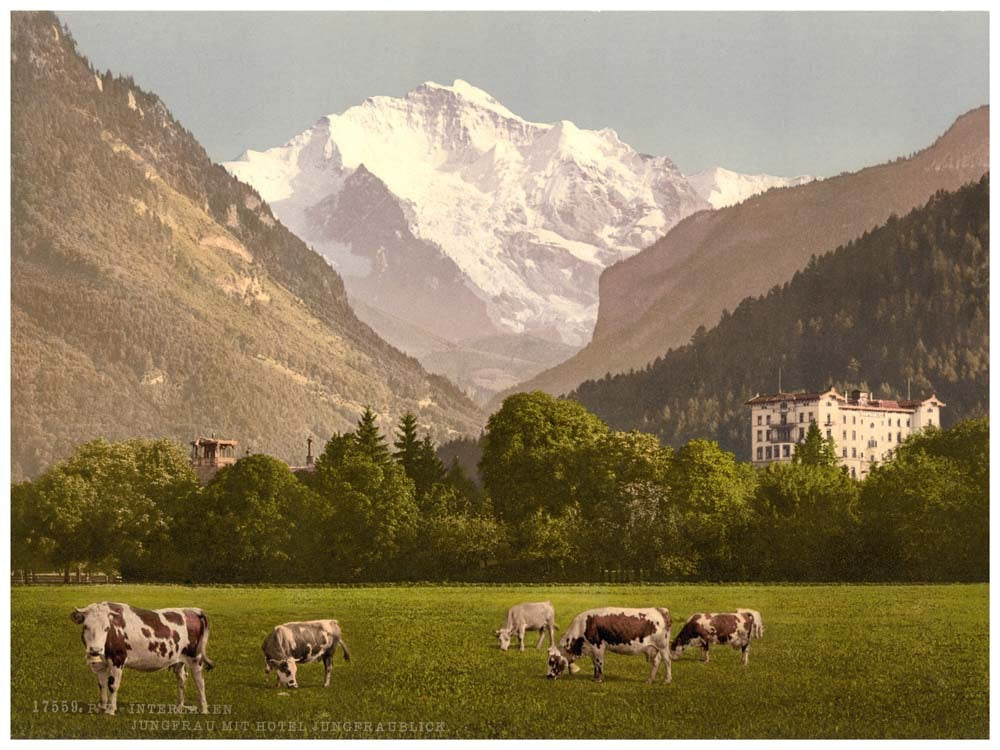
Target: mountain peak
column 723, row 187
column 472, row 94
column 530, row 213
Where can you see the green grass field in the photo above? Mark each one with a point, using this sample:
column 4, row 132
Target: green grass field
column 836, row 661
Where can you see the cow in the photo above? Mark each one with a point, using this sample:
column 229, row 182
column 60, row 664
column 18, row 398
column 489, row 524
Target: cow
column 540, row 616
column 148, row 640
column 301, row 643
column 735, row 628
column 622, row 630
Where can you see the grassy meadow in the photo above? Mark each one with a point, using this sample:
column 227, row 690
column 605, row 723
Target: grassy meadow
column 835, row 661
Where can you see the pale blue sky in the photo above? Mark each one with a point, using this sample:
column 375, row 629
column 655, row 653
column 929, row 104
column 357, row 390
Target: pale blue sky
column 785, row 93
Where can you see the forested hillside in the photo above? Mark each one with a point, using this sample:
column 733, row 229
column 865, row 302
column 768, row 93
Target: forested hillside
column 154, row 295
column 908, row 301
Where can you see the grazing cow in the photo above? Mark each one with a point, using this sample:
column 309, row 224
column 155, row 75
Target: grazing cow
column 540, row 616
column 117, row 636
column 621, row 630
column 735, row 628
column 301, row 643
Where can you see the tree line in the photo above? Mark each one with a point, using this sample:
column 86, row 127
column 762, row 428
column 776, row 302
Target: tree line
column 562, row 497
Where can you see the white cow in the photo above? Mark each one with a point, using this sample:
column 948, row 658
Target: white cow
column 118, row 636
column 540, row 616
column 622, row 630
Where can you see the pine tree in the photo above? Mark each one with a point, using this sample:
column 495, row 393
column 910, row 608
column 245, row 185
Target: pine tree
column 407, row 443
column 417, row 457
column 368, row 439
column 815, row 450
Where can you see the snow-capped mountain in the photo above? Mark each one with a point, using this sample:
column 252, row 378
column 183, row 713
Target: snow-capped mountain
column 722, row 188
column 498, row 224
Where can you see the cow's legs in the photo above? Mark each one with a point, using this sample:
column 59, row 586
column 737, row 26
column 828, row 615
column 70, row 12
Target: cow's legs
column 746, row 652
column 704, row 651
column 102, row 683
column 181, row 679
column 328, row 665
column 520, row 635
column 541, row 637
column 665, row 655
column 598, row 656
column 657, row 658
column 199, row 682
column 114, row 683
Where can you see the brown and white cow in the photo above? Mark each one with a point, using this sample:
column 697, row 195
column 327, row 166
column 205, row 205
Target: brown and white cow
column 540, row 616
column 734, row 628
column 148, row 640
column 622, row 630
column 301, row 643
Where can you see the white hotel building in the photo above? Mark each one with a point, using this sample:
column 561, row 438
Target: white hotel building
column 864, row 430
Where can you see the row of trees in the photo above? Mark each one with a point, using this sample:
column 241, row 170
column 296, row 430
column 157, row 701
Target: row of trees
column 563, row 497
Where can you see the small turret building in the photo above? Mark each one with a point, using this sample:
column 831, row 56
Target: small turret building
column 208, row 455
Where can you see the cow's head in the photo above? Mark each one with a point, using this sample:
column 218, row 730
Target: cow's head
column 557, row 663
column 96, row 621
column 682, row 641
column 286, row 673
column 503, row 635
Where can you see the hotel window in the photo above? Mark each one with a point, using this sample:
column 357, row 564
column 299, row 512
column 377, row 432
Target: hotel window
column 760, row 453
column 854, row 434
column 768, row 451
column 854, row 452
column 845, row 452
column 889, row 439
column 802, row 433
column 899, row 437
column 897, row 423
column 802, row 416
column 845, row 434
column 810, row 416
column 829, row 434
column 760, row 435
column 759, row 419
column 769, row 419
column 854, row 420
column 785, row 452
column 907, row 421
column 845, row 419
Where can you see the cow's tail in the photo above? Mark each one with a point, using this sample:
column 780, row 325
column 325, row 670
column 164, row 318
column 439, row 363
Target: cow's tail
column 203, row 642
column 667, row 621
column 343, row 646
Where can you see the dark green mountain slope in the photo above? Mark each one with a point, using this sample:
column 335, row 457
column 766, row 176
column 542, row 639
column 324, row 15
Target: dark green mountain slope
column 152, row 294
column 908, row 300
